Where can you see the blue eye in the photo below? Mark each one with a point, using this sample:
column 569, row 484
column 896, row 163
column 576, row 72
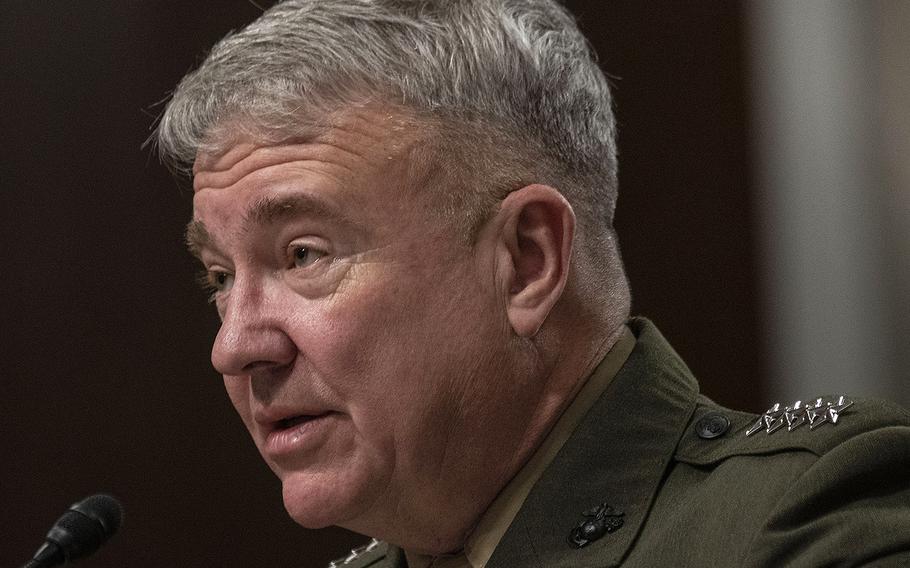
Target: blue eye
column 305, row 256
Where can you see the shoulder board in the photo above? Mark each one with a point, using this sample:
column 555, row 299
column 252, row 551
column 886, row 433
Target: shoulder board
column 817, row 425
column 362, row 557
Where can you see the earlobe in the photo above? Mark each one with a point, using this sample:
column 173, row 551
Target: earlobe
column 536, row 237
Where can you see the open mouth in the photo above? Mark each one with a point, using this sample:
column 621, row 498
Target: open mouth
column 294, row 421
column 296, row 435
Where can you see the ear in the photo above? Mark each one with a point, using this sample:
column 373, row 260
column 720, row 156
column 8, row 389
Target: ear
column 536, row 230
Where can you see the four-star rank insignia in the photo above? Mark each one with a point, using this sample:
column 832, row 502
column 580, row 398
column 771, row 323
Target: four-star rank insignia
column 372, row 551
column 814, row 414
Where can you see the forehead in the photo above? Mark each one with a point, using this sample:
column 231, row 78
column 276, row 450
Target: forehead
column 355, row 165
column 354, row 138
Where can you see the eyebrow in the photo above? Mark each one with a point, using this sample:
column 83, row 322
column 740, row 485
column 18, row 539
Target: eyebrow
column 197, row 237
column 272, row 210
column 266, row 212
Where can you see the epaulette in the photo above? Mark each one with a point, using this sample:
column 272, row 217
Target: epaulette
column 815, row 425
column 363, row 556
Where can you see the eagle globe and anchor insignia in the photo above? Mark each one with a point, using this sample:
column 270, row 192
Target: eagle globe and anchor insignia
column 599, row 520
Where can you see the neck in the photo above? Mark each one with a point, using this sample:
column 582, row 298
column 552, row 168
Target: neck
column 491, row 442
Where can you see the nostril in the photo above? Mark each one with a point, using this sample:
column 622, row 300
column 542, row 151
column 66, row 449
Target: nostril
column 267, row 369
column 258, row 365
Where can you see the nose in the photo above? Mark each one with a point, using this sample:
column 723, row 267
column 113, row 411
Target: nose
column 252, row 336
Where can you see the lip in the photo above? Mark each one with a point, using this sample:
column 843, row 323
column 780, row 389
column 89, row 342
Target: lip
column 296, row 435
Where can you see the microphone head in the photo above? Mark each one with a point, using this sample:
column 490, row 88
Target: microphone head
column 86, row 526
column 104, row 509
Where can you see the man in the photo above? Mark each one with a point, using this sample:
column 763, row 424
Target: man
column 404, row 210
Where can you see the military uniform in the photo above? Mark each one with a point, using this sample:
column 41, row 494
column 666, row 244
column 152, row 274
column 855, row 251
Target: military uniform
column 655, row 474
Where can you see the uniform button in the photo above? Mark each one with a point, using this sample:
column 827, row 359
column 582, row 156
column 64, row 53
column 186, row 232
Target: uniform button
column 712, row 425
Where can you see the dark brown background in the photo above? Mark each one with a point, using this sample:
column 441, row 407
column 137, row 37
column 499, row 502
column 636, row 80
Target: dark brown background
column 105, row 339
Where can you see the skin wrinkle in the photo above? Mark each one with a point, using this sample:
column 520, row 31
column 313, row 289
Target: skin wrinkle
column 336, row 134
column 306, row 167
column 219, row 171
column 341, row 126
column 451, row 444
column 272, row 210
column 258, row 164
column 268, row 211
column 447, row 64
column 409, row 310
column 411, row 318
column 424, row 165
column 346, row 278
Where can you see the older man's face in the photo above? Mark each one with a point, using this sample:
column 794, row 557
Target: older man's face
column 358, row 335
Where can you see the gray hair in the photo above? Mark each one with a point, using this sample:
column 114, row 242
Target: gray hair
column 511, row 86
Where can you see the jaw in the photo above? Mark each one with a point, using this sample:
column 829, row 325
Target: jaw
column 330, row 497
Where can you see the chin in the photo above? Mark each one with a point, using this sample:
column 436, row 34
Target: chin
column 319, row 501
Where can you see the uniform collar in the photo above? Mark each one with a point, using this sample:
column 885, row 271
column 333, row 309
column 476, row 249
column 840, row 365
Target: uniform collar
column 499, row 515
column 617, row 455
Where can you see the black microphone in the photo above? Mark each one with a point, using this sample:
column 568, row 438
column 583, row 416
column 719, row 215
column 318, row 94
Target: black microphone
column 79, row 532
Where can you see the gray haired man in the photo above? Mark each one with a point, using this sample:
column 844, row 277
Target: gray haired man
column 404, row 208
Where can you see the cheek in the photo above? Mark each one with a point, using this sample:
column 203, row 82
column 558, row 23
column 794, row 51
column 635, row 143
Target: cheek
column 360, row 344
column 390, row 349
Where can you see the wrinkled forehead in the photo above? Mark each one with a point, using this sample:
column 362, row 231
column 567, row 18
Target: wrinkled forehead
column 353, row 170
column 363, row 137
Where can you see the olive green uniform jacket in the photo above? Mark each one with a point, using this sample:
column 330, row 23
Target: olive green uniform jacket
column 686, row 486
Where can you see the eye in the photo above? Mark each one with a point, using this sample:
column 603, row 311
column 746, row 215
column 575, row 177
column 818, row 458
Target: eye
column 221, row 281
column 215, row 282
column 305, row 256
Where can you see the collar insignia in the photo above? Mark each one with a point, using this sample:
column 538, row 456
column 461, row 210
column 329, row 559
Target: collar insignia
column 600, row 520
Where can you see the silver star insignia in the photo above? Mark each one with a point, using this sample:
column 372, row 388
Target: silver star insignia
column 770, row 421
column 795, row 416
column 834, row 409
column 815, row 414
